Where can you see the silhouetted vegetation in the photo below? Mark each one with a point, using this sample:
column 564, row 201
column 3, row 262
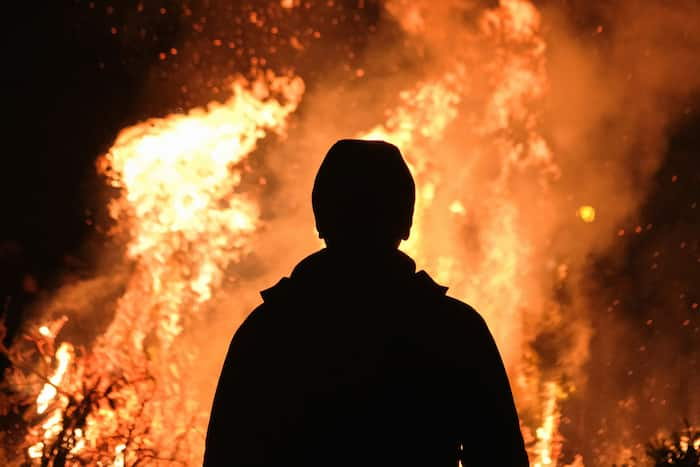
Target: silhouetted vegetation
column 681, row 449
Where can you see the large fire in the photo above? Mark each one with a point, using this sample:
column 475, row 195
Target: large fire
column 127, row 399
column 190, row 208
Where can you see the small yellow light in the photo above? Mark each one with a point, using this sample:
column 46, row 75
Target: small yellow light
column 457, row 208
column 586, row 213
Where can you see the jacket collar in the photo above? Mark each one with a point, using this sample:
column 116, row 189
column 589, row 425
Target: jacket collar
column 341, row 264
column 330, row 269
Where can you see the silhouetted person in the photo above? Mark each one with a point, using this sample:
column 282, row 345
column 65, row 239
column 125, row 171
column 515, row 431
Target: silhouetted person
column 356, row 359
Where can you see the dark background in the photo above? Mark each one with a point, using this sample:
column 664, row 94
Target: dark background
column 75, row 73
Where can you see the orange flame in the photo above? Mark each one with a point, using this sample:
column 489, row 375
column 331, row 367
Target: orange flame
column 48, row 392
column 179, row 177
column 187, row 216
column 547, row 447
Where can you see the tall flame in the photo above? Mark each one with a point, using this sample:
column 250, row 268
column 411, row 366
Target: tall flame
column 48, row 392
column 186, row 220
column 183, row 207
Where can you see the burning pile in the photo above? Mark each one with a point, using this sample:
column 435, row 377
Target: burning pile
column 190, row 209
column 126, row 399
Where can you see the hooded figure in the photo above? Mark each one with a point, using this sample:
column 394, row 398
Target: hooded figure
column 356, row 359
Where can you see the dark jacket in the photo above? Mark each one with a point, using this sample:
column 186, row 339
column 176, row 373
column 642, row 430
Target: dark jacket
column 363, row 362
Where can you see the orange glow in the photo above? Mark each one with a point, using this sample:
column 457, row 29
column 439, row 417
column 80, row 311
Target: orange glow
column 187, row 217
column 48, row 392
column 547, row 446
column 179, row 177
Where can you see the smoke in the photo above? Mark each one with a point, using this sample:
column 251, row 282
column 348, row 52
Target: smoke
column 620, row 80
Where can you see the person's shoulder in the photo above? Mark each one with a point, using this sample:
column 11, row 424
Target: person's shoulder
column 252, row 323
column 452, row 310
column 462, row 317
column 264, row 313
column 275, row 299
column 456, row 305
column 461, row 311
column 281, row 291
column 429, row 288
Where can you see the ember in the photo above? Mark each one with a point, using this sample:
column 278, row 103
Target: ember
column 586, row 213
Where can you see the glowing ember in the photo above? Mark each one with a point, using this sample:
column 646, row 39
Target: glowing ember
column 457, row 208
column 586, row 213
column 52, row 426
column 36, row 451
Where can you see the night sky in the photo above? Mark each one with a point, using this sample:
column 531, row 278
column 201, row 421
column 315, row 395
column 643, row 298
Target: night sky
column 76, row 72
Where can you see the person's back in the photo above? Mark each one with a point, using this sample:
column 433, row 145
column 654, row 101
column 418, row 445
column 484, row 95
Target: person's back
column 356, row 359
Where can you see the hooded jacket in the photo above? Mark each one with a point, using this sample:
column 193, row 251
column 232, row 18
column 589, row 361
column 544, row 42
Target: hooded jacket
column 358, row 360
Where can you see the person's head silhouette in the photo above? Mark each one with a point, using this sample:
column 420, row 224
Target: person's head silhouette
column 363, row 196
